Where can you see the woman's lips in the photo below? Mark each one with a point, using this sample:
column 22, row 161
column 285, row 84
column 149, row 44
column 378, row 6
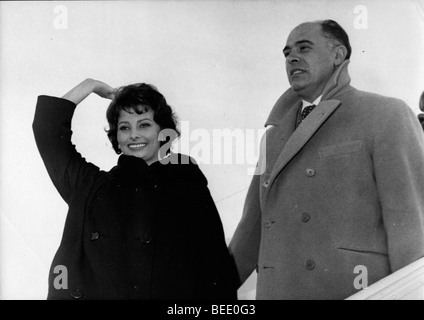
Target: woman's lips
column 137, row 146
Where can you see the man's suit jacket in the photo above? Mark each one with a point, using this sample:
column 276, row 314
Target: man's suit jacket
column 341, row 202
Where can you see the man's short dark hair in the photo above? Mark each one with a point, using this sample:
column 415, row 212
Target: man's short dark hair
column 335, row 32
column 422, row 101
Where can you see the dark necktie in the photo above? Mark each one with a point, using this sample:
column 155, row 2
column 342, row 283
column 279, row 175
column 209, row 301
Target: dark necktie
column 307, row 110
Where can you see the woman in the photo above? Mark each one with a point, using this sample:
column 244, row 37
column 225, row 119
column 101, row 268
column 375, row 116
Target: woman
column 148, row 228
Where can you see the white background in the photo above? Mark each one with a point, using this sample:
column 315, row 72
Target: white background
column 218, row 63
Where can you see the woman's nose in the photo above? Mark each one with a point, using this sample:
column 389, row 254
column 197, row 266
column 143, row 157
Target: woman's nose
column 135, row 134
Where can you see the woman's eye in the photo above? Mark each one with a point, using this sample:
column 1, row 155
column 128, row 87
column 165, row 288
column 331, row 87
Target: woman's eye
column 144, row 125
column 123, row 128
column 304, row 48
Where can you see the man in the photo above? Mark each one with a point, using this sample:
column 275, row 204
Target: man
column 421, row 115
column 341, row 202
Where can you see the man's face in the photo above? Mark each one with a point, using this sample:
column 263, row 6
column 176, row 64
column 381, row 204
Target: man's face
column 310, row 60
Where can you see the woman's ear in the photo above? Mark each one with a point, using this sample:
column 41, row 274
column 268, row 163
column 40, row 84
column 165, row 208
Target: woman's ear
column 341, row 53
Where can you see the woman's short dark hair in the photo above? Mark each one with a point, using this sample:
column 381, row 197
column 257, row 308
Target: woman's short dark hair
column 140, row 98
column 335, row 32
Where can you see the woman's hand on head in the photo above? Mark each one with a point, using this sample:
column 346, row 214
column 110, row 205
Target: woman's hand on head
column 104, row 90
column 82, row 90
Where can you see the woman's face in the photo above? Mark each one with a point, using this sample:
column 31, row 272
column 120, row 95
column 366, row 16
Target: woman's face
column 138, row 135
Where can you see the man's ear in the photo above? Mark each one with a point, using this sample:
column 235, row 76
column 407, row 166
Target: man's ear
column 340, row 55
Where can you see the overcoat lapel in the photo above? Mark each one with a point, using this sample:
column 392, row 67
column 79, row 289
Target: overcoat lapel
column 282, row 134
column 301, row 135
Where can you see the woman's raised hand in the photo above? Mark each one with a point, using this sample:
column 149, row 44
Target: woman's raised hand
column 82, row 90
column 104, row 90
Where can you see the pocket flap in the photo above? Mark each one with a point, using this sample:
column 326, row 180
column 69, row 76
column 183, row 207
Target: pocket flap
column 340, row 148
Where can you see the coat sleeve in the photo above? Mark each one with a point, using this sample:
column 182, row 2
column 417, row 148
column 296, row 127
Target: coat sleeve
column 221, row 280
column 398, row 157
column 244, row 245
column 52, row 130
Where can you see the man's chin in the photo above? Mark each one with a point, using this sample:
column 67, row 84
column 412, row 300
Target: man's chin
column 301, row 91
column 298, row 83
column 298, row 88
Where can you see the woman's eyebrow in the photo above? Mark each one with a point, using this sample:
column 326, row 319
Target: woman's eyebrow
column 144, row 120
column 138, row 121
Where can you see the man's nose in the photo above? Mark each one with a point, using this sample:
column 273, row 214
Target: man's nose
column 292, row 58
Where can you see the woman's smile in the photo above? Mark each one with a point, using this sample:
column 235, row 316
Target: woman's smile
column 137, row 146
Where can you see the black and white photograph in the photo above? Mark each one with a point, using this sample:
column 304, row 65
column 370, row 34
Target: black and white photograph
column 212, row 150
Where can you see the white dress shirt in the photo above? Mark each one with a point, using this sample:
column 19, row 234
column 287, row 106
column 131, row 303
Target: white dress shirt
column 306, row 103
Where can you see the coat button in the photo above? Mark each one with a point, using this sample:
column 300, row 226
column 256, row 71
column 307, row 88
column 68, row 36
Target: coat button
column 266, row 184
column 267, row 223
column 310, row 172
column 76, row 294
column 310, row 264
column 146, row 238
column 305, row 217
column 94, row 236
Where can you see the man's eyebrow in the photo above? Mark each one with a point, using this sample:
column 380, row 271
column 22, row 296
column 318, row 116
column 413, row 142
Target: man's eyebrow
column 304, row 41
column 299, row 43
